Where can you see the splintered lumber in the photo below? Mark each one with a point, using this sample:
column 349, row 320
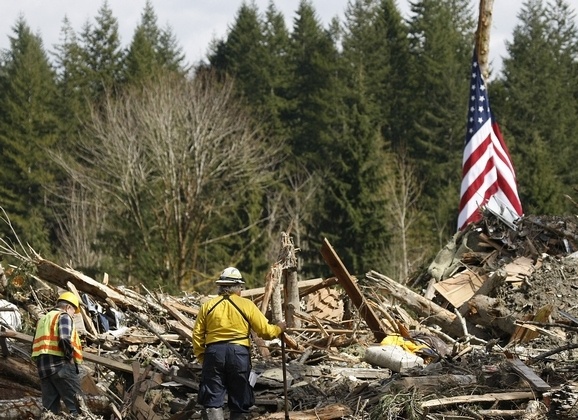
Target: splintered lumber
column 491, row 312
column 522, row 334
column 491, row 397
column 353, row 291
column 434, row 314
column 256, row 293
column 461, row 287
column 59, row 276
column 288, row 259
column 428, row 384
column 111, row 364
column 171, row 304
column 177, row 314
column 182, row 330
column 24, row 408
column 330, row 412
column 25, row 372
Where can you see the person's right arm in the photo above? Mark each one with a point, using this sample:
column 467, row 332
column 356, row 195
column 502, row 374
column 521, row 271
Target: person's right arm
column 65, row 335
column 199, row 336
column 260, row 324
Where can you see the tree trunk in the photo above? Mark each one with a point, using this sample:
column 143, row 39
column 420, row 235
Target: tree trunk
column 483, row 35
column 433, row 313
column 31, row 407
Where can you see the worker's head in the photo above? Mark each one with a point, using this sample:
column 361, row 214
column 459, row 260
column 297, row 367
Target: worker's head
column 68, row 298
column 230, row 281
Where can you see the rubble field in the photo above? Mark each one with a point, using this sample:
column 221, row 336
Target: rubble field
column 487, row 331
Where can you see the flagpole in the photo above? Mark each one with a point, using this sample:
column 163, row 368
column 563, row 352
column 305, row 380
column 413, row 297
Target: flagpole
column 483, row 35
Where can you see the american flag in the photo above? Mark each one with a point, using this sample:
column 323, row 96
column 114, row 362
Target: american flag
column 488, row 177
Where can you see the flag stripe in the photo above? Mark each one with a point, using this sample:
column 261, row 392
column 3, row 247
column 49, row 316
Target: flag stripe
column 487, row 169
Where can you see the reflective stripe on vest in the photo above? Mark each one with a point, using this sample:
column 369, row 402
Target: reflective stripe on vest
column 46, row 338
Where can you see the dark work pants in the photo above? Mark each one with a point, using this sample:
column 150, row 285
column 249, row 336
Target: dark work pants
column 64, row 384
column 226, row 369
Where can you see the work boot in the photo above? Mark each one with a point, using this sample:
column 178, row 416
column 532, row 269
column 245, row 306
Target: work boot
column 239, row 416
column 212, row 414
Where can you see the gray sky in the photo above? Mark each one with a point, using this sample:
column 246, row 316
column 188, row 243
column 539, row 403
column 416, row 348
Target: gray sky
column 196, row 22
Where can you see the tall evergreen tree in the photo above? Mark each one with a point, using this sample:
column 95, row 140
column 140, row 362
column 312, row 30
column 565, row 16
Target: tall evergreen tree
column 72, row 84
column 243, row 54
column 151, row 49
column 28, row 130
column 541, row 111
column 276, row 39
column 333, row 135
column 102, row 53
column 169, row 53
column 441, row 42
column 376, row 51
column 376, row 48
column 312, row 93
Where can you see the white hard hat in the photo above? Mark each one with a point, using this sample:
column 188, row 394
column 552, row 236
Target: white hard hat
column 230, row 276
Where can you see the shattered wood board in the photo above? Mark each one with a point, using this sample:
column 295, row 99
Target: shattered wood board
column 519, row 269
column 528, row 374
column 325, row 304
column 460, row 288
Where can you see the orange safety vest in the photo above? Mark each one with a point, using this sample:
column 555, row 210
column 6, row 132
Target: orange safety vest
column 46, row 338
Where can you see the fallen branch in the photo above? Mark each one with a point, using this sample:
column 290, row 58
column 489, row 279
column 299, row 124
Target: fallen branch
column 541, row 356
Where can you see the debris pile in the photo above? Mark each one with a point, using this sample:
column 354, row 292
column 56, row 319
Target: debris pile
column 488, row 331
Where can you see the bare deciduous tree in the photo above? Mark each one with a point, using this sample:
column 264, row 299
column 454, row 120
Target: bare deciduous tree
column 173, row 157
column 78, row 226
column 402, row 190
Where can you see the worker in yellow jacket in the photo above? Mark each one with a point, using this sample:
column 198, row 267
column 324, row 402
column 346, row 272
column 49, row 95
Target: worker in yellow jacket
column 58, row 352
column 221, row 342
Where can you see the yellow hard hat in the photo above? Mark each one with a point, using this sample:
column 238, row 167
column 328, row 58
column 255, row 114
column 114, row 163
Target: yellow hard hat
column 72, row 299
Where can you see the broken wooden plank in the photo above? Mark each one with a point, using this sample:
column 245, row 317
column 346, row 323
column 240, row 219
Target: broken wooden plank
column 523, row 334
column 177, row 314
column 329, row 412
column 256, row 293
column 353, row 291
column 430, row 384
column 111, row 364
column 460, row 287
column 59, row 276
column 490, row 397
column 527, row 373
column 183, row 308
column 432, row 312
column 518, row 270
column 182, row 330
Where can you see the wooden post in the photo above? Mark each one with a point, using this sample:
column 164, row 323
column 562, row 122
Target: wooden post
column 347, row 281
column 483, row 35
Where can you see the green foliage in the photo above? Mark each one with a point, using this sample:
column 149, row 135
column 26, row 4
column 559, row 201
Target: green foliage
column 28, row 131
column 538, row 102
column 441, row 45
column 102, row 53
column 140, row 200
column 151, row 50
